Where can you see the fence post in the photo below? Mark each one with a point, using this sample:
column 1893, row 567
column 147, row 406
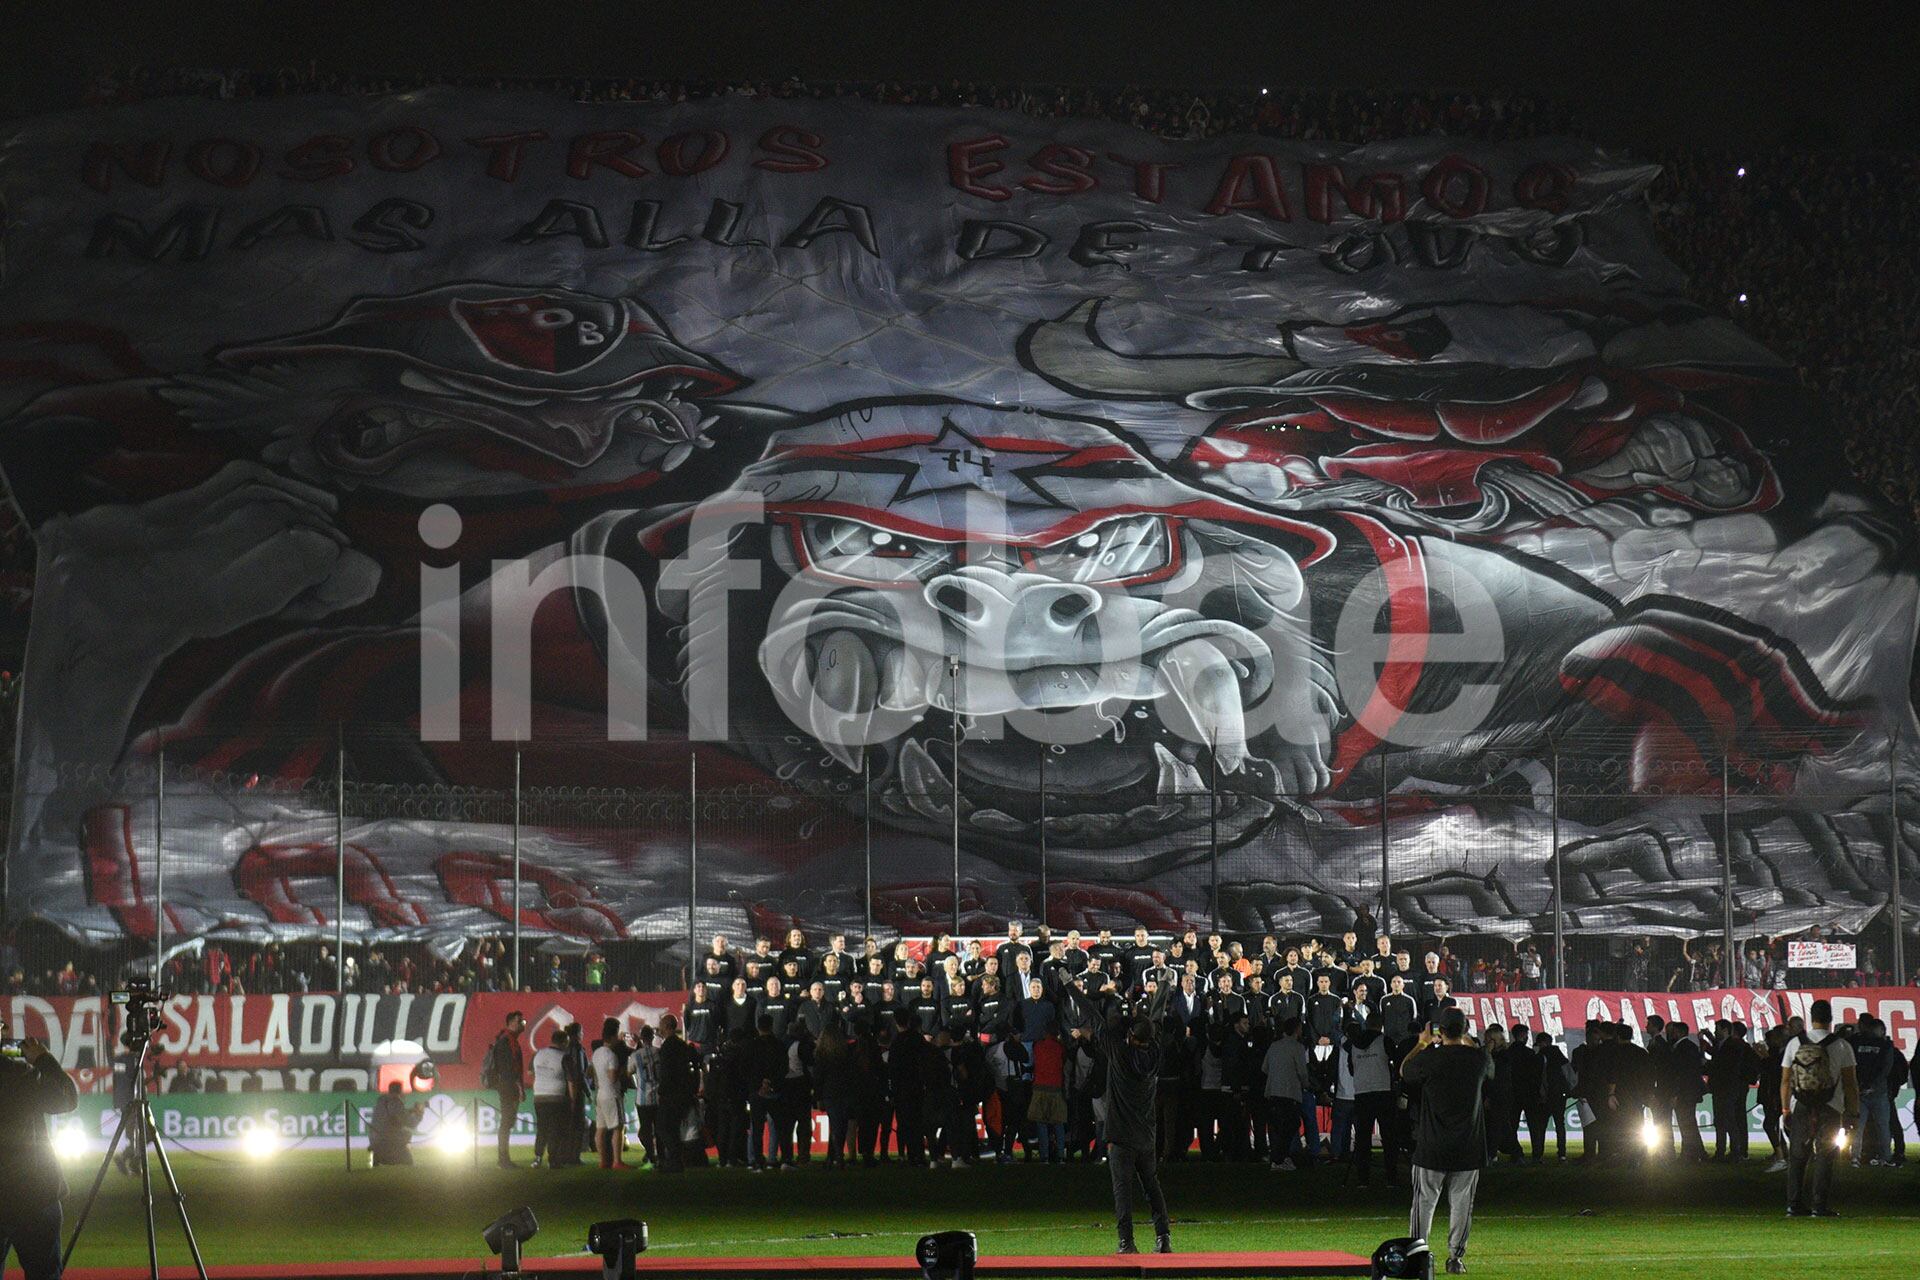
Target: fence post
column 1894, row 850
column 346, row 1129
column 1386, row 859
column 1044, row 919
column 1559, row 901
column 515, row 839
column 1726, row 874
column 159, row 866
column 1213, row 840
column 953, row 667
column 339, row 857
column 866, row 823
column 693, row 862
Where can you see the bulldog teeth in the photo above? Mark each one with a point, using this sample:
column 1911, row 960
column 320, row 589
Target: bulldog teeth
column 927, row 790
column 1177, row 777
column 1202, row 681
column 846, row 689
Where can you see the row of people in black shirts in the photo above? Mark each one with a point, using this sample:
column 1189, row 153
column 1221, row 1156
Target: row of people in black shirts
column 975, row 993
column 1040, row 1088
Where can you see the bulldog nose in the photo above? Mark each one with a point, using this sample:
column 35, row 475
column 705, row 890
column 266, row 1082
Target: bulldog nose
column 1063, row 603
column 987, row 602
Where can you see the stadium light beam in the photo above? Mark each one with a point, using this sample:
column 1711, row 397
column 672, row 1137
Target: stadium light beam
column 452, row 1137
column 260, row 1142
column 70, row 1142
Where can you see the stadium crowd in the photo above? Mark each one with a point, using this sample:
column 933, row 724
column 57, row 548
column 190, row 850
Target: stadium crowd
column 1288, row 1056
column 54, row 966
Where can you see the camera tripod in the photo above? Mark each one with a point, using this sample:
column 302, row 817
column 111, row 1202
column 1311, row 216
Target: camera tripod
column 137, row 1125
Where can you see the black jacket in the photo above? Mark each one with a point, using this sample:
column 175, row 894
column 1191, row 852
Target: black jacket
column 1133, row 1084
column 679, row 1072
column 30, row 1177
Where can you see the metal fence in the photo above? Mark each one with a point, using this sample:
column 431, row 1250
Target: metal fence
column 1580, row 865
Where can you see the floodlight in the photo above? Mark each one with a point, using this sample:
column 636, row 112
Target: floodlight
column 1650, row 1134
column 70, row 1142
column 452, row 1136
column 1402, row 1258
column 947, row 1255
column 260, row 1142
column 1840, row 1140
column 618, row 1241
column 507, row 1233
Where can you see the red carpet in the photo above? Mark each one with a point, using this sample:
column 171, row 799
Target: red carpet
column 879, row 1267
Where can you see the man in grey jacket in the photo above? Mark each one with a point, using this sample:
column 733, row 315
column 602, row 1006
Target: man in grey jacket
column 1371, row 1073
column 1285, row 1070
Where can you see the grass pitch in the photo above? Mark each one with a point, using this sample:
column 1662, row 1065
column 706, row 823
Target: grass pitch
column 1557, row 1220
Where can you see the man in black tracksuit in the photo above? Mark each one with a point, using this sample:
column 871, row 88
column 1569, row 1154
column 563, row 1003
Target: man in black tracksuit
column 905, row 1072
column 1132, row 1053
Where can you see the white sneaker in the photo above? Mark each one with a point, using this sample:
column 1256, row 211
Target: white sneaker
column 1778, row 1166
column 1286, row 1166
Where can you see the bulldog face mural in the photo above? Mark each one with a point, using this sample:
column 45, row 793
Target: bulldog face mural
column 1038, row 577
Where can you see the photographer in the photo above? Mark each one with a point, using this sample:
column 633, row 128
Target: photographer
column 391, row 1131
column 1450, row 1143
column 32, row 1087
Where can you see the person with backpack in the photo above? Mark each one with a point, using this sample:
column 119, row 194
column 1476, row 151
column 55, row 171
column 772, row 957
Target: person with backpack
column 1820, row 1099
column 504, row 1071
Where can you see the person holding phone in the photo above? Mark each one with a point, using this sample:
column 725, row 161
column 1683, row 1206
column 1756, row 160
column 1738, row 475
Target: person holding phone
column 32, row 1087
column 1450, row 1139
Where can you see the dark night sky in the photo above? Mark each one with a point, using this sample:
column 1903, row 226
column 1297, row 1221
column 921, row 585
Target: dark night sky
column 1822, row 74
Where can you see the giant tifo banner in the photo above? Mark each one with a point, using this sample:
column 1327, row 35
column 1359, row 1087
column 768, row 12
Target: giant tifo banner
column 984, row 483
column 328, row 1042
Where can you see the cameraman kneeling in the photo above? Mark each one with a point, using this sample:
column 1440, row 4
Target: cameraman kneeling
column 32, row 1087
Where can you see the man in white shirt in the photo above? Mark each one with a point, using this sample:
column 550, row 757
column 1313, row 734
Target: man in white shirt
column 550, row 1117
column 609, row 1084
column 643, row 1068
column 1820, row 1121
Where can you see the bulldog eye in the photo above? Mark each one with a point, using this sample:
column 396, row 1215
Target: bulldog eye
column 1110, row 552
column 850, row 549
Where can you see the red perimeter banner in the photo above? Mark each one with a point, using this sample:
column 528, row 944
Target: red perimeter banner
column 304, row 1042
